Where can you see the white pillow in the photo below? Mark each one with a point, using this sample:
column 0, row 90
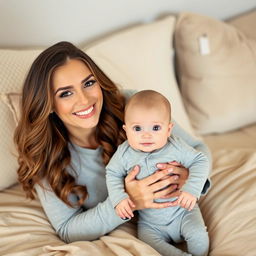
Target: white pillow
column 141, row 58
column 14, row 65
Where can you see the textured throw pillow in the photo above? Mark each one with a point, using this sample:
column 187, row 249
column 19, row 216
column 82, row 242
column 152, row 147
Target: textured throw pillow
column 217, row 72
column 14, row 65
column 141, row 58
column 14, row 100
column 8, row 157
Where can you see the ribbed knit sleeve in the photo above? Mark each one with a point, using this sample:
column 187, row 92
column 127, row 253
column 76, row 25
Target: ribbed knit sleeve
column 74, row 224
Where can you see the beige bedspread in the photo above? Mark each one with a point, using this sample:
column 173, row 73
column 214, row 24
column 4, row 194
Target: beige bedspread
column 228, row 209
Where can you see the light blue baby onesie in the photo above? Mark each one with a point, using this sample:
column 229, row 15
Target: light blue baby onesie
column 161, row 227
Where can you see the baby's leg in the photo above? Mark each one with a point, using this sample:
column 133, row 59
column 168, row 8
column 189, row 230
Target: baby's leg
column 194, row 232
column 159, row 241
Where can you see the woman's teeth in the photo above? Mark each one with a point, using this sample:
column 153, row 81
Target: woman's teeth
column 85, row 112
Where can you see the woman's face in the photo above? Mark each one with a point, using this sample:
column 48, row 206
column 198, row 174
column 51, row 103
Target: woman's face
column 78, row 97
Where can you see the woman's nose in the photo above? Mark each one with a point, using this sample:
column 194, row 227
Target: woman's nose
column 82, row 97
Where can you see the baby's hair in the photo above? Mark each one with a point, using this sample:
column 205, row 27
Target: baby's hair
column 148, row 99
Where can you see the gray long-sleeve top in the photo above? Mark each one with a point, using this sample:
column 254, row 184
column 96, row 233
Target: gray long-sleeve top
column 97, row 216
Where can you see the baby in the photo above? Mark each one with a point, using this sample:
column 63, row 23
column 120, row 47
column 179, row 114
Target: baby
column 149, row 141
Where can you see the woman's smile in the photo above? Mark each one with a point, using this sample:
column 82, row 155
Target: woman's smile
column 86, row 113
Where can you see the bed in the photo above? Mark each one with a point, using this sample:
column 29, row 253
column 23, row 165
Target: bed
column 206, row 68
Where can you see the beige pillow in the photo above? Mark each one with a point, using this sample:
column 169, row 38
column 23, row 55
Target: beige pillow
column 8, row 158
column 217, row 73
column 14, row 105
column 14, row 65
column 245, row 23
column 141, row 58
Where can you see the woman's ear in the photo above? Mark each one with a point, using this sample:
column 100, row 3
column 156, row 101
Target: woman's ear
column 52, row 110
column 124, row 127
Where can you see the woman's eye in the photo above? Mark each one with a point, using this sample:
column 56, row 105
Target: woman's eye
column 137, row 128
column 156, row 128
column 89, row 83
column 65, row 94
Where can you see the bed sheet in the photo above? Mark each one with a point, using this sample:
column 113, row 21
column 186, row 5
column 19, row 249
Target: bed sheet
column 228, row 209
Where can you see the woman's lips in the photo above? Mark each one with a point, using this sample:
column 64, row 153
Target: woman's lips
column 86, row 113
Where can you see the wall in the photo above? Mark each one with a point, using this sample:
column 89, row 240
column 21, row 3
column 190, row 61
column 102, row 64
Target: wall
column 26, row 23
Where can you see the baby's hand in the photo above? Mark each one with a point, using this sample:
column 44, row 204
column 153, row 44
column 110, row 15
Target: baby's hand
column 186, row 200
column 124, row 209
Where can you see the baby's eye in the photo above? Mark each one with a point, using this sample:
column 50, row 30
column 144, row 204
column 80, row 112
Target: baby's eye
column 65, row 94
column 137, row 128
column 89, row 83
column 156, row 128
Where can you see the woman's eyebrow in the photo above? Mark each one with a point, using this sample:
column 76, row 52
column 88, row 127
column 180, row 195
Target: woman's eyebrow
column 63, row 88
column 70, row 86
column 88, row 77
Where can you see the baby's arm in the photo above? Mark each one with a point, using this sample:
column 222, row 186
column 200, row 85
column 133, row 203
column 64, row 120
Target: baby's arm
column 115, row 174
column 197, row 144
column 124, row 208
column 199, row 168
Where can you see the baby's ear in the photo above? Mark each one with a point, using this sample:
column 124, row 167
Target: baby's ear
column 124, row 127
column 170, row 126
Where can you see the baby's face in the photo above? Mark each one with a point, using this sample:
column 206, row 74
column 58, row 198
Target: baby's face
column 147, row 129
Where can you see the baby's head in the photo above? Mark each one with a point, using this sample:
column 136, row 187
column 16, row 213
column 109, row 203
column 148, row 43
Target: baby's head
column 147, row 120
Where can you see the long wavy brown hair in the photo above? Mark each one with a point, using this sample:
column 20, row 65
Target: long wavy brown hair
column 41, row 137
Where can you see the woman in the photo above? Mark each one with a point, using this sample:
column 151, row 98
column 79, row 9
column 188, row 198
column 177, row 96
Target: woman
column 71, row 124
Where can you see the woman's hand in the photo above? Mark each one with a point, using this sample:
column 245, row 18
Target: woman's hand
column 178, row 170
column 158, row 185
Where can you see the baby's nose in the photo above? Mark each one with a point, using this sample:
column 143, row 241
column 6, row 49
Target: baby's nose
column 146, row 134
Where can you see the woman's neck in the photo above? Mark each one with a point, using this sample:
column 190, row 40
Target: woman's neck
column 85, row 139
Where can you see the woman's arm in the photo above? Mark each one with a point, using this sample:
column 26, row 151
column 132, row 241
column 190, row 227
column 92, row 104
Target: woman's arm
column 74, row 224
